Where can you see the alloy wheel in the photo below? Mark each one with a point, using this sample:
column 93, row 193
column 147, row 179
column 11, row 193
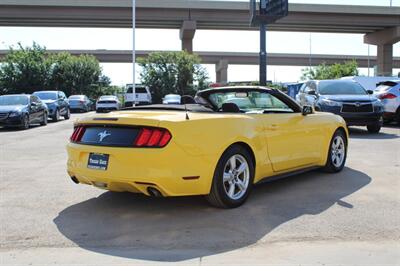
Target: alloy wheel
column 236, row 177
column 338, row 151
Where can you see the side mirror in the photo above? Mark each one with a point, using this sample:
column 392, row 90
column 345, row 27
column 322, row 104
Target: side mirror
column 33, row 104
column 314, row 93
column 370, row 92
column 307, row 110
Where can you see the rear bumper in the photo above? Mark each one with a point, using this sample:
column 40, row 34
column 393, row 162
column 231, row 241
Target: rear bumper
column 105, row 109
column 170, row 170
column 130, row 104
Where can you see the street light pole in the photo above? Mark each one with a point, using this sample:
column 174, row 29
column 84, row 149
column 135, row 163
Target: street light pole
column 133, row 52
column 263, row 55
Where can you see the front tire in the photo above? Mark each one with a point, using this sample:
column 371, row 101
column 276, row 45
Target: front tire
column 56, row 116
column 67, row 114
column 374, row 128
column 25, row 122
column 233, row 178
column 337, row 153
column 44, row 119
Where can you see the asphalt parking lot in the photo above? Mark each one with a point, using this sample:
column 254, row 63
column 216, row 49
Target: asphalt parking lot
column 315, row 218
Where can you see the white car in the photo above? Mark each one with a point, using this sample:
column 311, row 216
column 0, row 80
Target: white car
column 172, row 99
column 142, row 97
column 107, row 103
column 389, row 93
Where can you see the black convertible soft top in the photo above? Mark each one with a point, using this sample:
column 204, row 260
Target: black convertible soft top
column 172, row 107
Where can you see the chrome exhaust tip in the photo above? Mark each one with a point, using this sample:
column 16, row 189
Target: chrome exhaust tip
column 154, row 192
column 74, row 179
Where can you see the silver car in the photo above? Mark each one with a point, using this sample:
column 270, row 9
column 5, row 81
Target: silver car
column 389, row 93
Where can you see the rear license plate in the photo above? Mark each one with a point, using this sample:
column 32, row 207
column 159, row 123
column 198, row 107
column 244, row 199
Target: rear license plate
column 98, row 161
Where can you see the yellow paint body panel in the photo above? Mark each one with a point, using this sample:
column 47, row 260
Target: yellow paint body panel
column 280, row 143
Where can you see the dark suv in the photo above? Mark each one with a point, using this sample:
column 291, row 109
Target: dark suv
column 56, row 102
column 346, row 98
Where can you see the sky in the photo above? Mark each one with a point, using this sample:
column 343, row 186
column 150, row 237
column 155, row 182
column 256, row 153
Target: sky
column 205, row 40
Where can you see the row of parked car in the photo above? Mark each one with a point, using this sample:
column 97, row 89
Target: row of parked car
column 24, row 110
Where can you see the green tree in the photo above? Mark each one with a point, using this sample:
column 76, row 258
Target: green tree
column 28, row 69
column 334, row 71
column 73, row 74
column 172, row 72
column 24, row 70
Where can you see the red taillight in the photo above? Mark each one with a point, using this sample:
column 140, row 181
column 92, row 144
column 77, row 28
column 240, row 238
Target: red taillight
column 387, row 95
column 153, row 137
column 78, row 133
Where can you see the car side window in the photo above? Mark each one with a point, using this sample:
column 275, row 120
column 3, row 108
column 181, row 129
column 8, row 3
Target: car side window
column 303, row 87
column 35, row 99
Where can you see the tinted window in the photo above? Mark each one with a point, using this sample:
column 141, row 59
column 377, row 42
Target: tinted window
column 13, row 100
column 340, row 88
column 35, row 99
column 77, row 97
column 46, row 95
column 137, row 90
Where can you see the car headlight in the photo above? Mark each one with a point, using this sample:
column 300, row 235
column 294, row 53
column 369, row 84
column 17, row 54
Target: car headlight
column 330, row 103
column 14, row 114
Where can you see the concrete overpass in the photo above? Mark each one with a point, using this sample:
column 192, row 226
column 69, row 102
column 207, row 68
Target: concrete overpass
column 222, row 60
column 380, row 24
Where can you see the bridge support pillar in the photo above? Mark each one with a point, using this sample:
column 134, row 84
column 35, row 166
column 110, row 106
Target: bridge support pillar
column 384, row 39
column 186, row 35
column 222, row 71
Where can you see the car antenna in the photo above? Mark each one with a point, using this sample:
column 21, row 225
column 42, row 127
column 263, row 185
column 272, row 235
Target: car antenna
column 186, row 112
column 183, row 99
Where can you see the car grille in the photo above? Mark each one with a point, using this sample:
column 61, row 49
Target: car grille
column 357, row 108
column 3, row 116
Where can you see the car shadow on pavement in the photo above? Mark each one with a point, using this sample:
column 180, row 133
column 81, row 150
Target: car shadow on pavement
column 176, row 229
column 361, row 133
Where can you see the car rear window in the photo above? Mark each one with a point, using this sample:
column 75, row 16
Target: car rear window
column 137, row 89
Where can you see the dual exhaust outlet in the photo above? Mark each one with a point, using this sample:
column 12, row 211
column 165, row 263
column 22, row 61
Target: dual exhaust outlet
column 153, row 192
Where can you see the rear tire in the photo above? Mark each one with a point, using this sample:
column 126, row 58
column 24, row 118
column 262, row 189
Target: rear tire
column 233, row 178
column 337, row 153
column 398, row 116
column 25, row 122
column 374, row 128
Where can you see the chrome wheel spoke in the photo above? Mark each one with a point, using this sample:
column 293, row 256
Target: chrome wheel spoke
column 227, row 177
column 241, row 185
column 231, row 191
column 242, row 168
column 232, row 162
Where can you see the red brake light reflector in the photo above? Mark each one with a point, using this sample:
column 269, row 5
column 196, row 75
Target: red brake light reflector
column 387, row 96
column 78, row 134
column 149, row 137
column 143, row 138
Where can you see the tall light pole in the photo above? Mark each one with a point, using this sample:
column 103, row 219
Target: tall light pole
column 133, row 52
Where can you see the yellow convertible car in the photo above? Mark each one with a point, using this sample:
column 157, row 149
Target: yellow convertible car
column 219, row 144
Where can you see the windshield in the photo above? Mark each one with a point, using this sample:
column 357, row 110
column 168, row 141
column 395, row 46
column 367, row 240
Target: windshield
column 46, row 95
column 336, row 87
column 249, row 101
column 13, row 100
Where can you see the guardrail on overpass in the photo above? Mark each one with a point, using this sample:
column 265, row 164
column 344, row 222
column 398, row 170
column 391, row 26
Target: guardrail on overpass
column 223, row 59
